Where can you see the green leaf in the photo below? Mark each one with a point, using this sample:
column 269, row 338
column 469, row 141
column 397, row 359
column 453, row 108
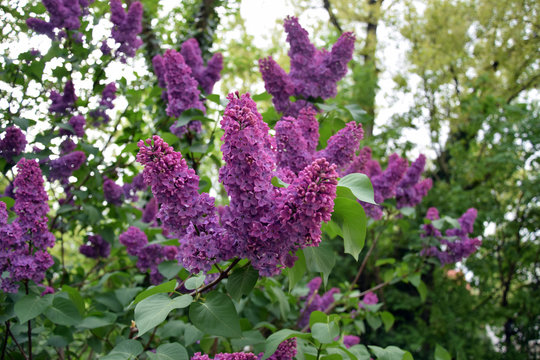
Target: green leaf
column 8, row 201
column 278, row 337
column 320, row 259
column 216, row 316
column 75, row 296
column 126, row 350
column 194, row 282
column 63, row 312
column 296, row 273
column 94, row 322
column 441, row 353
column 317, row 317
column 385, row 261
column 356, row 111
column 167, row 287
column 261, row 97
column 325, row 333
column 350, row 216
column 388, row 353
column 30, row 306
column 153, row 310
column 278, row 295
column 277, row 182
column 214, row 98
column 173, row 351
column 92, row 213
column 360, row 186
column 373, row 321
column 387, row 319
column 422, row 290
column 191, row 334
column 169, row 269
column 241, row 282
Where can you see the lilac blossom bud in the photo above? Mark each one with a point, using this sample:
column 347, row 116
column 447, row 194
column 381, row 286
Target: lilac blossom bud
column 12, row 144
column 114, row 194
column 277, row 83
column 62, row 168
column 95, row 247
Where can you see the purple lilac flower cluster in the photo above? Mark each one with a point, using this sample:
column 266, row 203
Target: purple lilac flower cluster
column 62, row 168
column 259, row 215
column 350, row 340
column 106, row 103
column 314, row 301
column 62, row 103
column 207, row 75
column 181, row 92
column 149, row 255
column 130, row 189
column 95, row 247
column 456, row 245
column 126, row 28
column 297, row 139
column 222, row 356
column 77, row 123
column 314, row 73
column 184, row 212
column 63, row 15
column 369, row 299
column 12, row 144
column 23, row 249
column 285, row 351
column 150, row 211
column 397, row 180
column 114, row 193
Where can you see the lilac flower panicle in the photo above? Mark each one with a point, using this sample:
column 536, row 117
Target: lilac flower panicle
column 193, row 127
column 107, row 97
column 62, row 168
column 208, row 75
column 350, row 340
column 292, row 148
column 134, row 239
column 114, row 193
column 150, row 211
column 182, row 88
column 223, row 356
column 285, row 351
column 95, row 247
column 63, row 14
column 314, row 73
column 12, row 144
column 24, row 242
column 343, row 145
column 62, row 103
column 410, row 189
column 370, row 299
column 183, row 211
column 126, row 27
column 316, row 302
column 77, row 123
column 457, row 244
column 67, row 146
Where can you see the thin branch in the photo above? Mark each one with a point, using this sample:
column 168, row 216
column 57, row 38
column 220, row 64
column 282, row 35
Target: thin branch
column 333, row 19
column 221, row 276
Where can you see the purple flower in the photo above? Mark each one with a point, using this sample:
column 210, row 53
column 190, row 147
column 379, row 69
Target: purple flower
column 48, row 290
column 350, row 340
column 314, row 73
column 95, row 247
column 12, row 144
column 369, row 299
column 126, row 27
column 292, row 148
column 183, row 211
column 315, row 302
column 343, row 145
column 114, row 194
column 285, row 351
column 457, row 244
column 410, row 189
column 105, row 49
column 63, row 14
column 150, row 211
column 107, row 97
column 182, row 88
column 67, row 146
column 208, row 75
column 62, row 168
column 77, row 123
column 23, row 245
column 134, row 239
column 62, row 103
column 193, row 127
column 222, row 356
